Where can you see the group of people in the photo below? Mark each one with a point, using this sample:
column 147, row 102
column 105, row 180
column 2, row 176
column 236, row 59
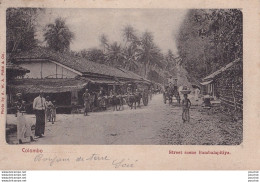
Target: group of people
column 42, row 108
column 91, row 100
column 101, row 98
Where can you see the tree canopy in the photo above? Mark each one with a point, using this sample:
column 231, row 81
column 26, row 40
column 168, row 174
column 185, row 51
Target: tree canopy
column 132, row 53
column 58, row 35
column 20, row 25
column 210, row 39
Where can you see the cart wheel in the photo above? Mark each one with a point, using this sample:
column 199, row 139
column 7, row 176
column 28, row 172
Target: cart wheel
column 145, row 101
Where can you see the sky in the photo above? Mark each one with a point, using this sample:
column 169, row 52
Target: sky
column 89, row 24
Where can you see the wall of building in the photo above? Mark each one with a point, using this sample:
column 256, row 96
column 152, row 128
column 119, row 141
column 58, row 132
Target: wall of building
column 43, row 69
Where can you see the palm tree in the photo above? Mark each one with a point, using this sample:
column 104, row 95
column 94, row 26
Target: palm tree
column 114, row 55
column 170, row 60
column 130, row 49
column 58, row 36
column 129, row 34
column 148, row 53
column 130, row 62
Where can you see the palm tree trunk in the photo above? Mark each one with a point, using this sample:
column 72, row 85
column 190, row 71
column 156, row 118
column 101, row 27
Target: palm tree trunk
column 146, row 70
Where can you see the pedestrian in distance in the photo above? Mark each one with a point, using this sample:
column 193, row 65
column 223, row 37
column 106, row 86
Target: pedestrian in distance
column 186, row 103
column 48, row 104
column 185, row 108
column 49, row 109
column 23, row 126
column 39, row 106
column 53, row 111
column 102, row 99
column 86, row 99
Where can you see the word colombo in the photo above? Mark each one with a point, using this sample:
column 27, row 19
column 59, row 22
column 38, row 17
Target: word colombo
column 28, row 150
column 220, row 152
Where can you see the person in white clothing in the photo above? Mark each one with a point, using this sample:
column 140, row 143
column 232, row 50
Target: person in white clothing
column 23, row 126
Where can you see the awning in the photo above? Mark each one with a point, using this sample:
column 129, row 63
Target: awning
column 46, row 85
column 104, row 81
column 206, row 82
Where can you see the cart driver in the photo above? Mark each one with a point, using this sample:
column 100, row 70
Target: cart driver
column 170, row 81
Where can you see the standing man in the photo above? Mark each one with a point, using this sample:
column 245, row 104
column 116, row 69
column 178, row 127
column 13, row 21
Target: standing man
column 86, row 99
column 39, row 106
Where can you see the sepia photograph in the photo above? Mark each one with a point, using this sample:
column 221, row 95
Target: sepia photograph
column 90, row 76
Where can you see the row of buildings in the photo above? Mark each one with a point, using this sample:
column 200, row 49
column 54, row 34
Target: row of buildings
column 63, row 77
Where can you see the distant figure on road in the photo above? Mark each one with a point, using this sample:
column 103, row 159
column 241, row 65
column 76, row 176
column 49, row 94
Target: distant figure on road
column 102, row 99
column 86, row 99
column 185, row 104
column 49, row 106
column 185, row 108
column 50, row 110
column 39, row 107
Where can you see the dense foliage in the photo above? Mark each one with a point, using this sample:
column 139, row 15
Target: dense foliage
column 210, row 39
column 137, row 51
column 20, row 28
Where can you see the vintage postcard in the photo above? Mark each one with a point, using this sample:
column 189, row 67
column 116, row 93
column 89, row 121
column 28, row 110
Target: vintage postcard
column 130, row 85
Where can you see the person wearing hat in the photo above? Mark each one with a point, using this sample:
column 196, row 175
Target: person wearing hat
column 23, row 127
column 39, row 106
column 86, row 99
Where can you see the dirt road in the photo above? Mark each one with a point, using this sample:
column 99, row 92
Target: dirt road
column 155, row 124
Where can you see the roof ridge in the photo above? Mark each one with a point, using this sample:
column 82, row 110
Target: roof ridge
column 79, row 64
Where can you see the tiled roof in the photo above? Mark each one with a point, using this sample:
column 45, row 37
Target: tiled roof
column 14, row 67
column 224, row 68
column 79, row 64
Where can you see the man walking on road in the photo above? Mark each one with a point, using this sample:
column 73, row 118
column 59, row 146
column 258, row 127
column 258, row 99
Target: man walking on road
column 39, row 107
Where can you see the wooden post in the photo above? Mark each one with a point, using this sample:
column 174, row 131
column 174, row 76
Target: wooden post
column 56, row 70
